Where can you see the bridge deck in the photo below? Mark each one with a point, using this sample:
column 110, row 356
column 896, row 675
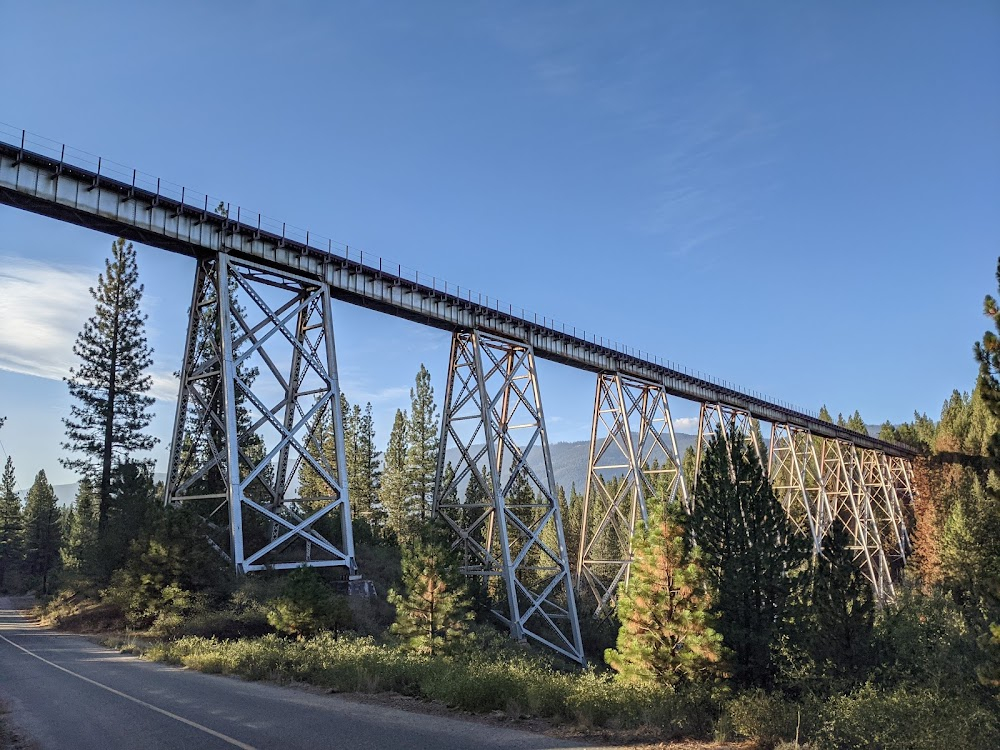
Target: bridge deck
column 89, row 196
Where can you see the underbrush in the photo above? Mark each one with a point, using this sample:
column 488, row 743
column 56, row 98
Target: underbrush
column 517, row 684
column 81, row 612
column 521, row 685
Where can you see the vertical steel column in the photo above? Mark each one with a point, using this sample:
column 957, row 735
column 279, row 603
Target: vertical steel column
column 232, row 454
column 508, row 524
column 633, row 461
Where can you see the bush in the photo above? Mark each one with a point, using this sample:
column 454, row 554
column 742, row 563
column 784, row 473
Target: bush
column 516, row 683
column 908, row 719
column 308, row 606
column 767, row 718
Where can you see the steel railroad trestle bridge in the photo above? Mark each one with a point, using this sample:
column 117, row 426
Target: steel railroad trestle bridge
column 260, row 373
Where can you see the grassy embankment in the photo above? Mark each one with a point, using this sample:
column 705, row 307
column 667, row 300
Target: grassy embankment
column 500, row 679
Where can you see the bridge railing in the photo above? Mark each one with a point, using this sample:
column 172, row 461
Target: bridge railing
column 62, row 155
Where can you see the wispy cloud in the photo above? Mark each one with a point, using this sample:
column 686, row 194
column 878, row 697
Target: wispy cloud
column 359, row 394
column 687, row 425
column 43, row 307
column 706, row 148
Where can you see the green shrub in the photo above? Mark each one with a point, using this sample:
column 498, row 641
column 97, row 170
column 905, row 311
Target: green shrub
column 308, row 606
column 765, row 717
column 516, row 683
column 906, row 719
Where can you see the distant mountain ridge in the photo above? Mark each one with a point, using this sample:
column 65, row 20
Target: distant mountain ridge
column 66, row 493
column 570, row 464
column 571, row 461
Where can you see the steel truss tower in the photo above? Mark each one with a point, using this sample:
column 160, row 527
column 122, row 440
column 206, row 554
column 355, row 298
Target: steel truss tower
column 851, row 502
column 502, row 509
column 795, row 471
column 258, row 411
column 715, row 419
column 633, row 462
column 819, row 480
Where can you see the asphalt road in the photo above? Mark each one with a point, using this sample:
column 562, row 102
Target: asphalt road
column 67, row 693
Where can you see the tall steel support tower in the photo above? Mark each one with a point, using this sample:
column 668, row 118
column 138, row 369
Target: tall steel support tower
column 499, row 496
column 259, row 416
column 730, row 423
column 850, row 501
column 888, row 509
column 796, row 475
column 633, row 463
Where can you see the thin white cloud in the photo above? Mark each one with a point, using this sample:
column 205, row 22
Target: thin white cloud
column 687, row 425
column 359, row 395
column 42, row 309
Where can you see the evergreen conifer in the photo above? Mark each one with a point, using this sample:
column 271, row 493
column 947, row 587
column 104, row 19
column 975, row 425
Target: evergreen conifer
column 422, row 445
column 42, row 531
column 110, row 386
column 393, row 491
column 11, row 522
column 749, row 554
column 666, row 635
column 434, row 611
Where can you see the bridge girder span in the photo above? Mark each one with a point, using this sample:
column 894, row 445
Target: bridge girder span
column 250, row 488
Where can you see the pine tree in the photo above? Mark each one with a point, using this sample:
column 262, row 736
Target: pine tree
column 422, row 449
column 856, row 423
column 689, row 467
column 110, row 386
column 572, row 523
column 837, row 611
column 79, row 549
column 307, row 605
column 350, row 415
column 434, row 613
column 364, row 470
column 666, row 635
column 11, row 522
column 987, row 510
column 42, row 531
column 824, row 414
column 970, row 544
column 314, row 491
column 133, row 511
column 989, row 669
column 393, row 491
column 749, row 554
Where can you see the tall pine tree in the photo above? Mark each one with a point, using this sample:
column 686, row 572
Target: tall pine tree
column 11, row 522
column 80, row 547
column 666, row 635
column 110, row 386
column 749, row 554
column 369, row 471
column 856, row 423
column 42, row 531
column 422, row 449
column 394, row 489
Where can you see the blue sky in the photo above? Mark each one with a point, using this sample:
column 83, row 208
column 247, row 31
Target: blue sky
column 798, row 197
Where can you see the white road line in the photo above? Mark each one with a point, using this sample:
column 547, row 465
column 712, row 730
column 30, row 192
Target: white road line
column 143, row 703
